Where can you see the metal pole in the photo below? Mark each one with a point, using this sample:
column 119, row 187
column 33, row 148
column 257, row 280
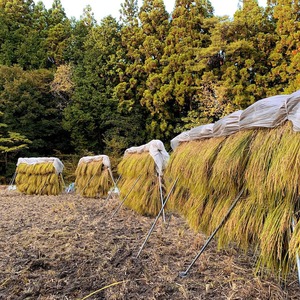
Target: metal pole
column 62, row 179
column 13, row 180
column 297, row 255
column 156, row 219
column 183, row 274
column 109, row 195
column 88, row 182
column 161, row 198
column 126, row 197
column 112, row 177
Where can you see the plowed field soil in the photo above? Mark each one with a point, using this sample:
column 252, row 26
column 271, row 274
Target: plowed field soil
column 68, row 247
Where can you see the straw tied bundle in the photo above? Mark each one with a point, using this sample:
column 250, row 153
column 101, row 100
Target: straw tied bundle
column 39, row 176
column 93, row 176
column 256, row 151
column 141, row 171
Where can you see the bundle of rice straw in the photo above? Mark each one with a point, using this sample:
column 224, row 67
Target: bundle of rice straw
column 263, row 160
column 39, row 176
column 191, row 163
column 142, row 180
column 94, row 177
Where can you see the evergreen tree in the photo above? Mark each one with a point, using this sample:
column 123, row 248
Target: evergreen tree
column 10, row 144
column 79, row 33
column 285, row 57
column 92, row 117
column 16, row 23
column 132, row 76
column 249, row 40
column 178, row 77
column 59, row 32
column 155, row 26
column 30, row 109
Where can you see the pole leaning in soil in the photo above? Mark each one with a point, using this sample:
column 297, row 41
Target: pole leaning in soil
column 184, row 274
column 117, row 209
column 156, row 219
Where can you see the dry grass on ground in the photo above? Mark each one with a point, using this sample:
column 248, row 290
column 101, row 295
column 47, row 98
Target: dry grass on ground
column 67, row 247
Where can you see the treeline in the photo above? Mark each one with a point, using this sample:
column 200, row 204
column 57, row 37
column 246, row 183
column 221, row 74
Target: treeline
column 78, row 86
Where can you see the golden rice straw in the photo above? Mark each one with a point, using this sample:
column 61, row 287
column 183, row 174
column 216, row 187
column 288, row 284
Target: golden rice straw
column 92, row 179
column 38, row 179
column 192, row 162
column 145, row 196
column 263, row 218
column 226, row 180
column 282, row 198
column 246, row 221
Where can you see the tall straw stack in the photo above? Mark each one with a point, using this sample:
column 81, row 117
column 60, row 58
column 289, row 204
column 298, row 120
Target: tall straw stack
column 93, row 178
column 40, row 178
column 263, row 162
column 144, row 197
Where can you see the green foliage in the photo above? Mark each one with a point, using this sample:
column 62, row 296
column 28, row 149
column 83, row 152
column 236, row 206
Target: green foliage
column 10, row 144
column 177, row 82
column 93, row 117
column 30, row 109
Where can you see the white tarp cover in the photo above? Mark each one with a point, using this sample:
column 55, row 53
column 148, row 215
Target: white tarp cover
column 293, row 107
column 227, row 125
column 157, row 151
column 58, row 165
column 268, row 113
column 87, row 159
column 196, row 133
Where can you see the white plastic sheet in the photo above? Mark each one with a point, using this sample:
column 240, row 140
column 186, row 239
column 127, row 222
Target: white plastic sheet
column 293, row 107
column 268, row 113
column 58, row 165
column 87, row 159
column 157, row 151
column 196, row 133
column 227, row 125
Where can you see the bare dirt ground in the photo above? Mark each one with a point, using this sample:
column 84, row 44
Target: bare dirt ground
column 67, row 247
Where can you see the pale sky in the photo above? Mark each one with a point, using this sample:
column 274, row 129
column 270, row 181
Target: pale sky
column 103, row 8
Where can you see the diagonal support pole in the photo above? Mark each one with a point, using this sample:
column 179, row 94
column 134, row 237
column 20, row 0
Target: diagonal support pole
column 297, row 255
column 161, row 197
column 117, row 209
column 116, row 187
column 13, row 179
column 112, row 177
column 184, row 274
column 157, row 217
column 88, row 183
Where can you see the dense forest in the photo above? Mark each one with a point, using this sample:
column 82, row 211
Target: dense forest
column 85, row 87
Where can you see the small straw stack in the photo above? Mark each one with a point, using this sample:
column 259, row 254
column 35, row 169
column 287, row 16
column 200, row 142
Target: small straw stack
column 140, row 169
column 39, row 176
column 93, row 176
